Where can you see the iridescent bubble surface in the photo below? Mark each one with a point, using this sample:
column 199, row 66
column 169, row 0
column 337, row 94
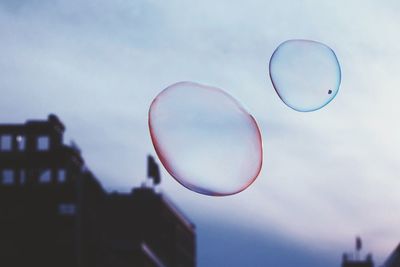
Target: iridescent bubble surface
column 205, row 139
column 305, row 74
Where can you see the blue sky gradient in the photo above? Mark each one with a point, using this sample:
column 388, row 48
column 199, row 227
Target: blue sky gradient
column 328, row 175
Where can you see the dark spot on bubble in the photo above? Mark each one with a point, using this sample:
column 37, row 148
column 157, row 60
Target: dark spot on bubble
column 330, row 92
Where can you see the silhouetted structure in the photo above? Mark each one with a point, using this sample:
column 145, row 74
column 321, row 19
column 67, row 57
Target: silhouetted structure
column 394, row 258
column 357, row 263
column 54, row 212
column 350, row 260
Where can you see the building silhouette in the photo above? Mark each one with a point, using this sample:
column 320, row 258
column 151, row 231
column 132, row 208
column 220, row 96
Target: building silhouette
column 393, row 259
column 354, row 260
column 357, row 262
column 54, row 212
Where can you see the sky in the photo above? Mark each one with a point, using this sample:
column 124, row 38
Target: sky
column 327, row 176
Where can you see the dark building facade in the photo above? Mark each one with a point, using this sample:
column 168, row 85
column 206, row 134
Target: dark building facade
column 54, row 212
column 393, row 259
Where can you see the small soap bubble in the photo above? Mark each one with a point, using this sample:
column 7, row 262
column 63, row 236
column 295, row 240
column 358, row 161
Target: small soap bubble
column 305, row 74
column 205, row 139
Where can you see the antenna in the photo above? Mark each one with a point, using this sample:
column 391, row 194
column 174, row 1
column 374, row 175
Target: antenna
column 358, row 247
column 153, row 171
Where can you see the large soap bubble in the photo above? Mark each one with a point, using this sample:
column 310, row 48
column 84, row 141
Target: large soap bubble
column 205, row 139
column 305, row 74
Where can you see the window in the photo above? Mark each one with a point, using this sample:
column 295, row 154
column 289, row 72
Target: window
column 45, row 176
column 21, row 142
column 61, row 175
column 8, row 177
column 5, row 143
column 66, row 209
column 43, row 143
